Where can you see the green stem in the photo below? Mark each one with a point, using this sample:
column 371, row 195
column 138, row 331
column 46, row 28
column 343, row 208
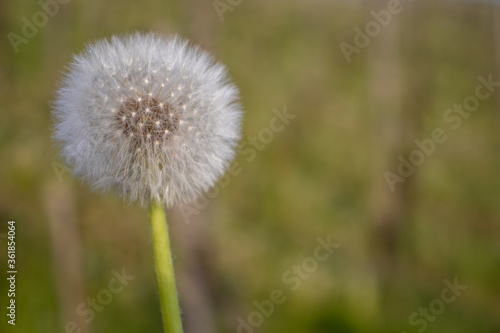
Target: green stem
column 165, row 270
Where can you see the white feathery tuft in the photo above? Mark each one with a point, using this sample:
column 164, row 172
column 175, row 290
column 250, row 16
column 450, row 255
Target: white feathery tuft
column 149, row 117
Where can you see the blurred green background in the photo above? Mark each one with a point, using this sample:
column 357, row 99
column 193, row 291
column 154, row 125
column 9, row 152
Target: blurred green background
column 322, row 176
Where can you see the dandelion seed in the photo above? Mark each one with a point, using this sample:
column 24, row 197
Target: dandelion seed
column 126, row 149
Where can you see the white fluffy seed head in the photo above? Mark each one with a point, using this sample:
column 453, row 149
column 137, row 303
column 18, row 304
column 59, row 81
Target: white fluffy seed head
column 150, row 117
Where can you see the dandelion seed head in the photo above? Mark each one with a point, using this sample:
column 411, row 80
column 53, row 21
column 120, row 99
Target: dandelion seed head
column 140, row 149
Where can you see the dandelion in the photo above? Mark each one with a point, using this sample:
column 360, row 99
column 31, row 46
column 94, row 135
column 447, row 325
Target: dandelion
column 153, row 119
column 148, row 117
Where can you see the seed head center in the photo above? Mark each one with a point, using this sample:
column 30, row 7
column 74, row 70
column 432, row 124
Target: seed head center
column 145, row 119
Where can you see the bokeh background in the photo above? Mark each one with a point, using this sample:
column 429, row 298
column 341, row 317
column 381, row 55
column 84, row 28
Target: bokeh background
column 322, row 176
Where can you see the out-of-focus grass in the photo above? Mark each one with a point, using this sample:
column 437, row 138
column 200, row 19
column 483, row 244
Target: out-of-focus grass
column 313, row 180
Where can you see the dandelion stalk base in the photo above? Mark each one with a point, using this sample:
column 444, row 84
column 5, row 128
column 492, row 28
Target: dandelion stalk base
column 165, row 270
